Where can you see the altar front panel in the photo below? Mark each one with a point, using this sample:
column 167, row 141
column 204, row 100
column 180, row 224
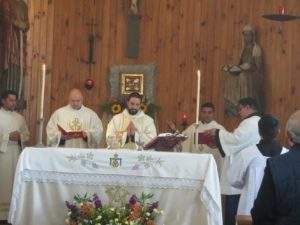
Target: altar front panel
column 186, row 185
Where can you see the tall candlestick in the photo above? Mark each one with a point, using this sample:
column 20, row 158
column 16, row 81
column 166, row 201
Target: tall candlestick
column 198, row 96
column 43, row 91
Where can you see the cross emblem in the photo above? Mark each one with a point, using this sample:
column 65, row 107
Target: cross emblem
column 75, row 125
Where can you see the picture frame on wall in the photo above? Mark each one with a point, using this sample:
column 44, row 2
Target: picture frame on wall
column 131, row 82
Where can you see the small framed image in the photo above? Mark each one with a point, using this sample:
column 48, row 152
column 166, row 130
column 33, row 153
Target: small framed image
column 132, row 83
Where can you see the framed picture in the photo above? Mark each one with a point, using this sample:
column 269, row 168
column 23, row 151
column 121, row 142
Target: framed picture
column 132, row 83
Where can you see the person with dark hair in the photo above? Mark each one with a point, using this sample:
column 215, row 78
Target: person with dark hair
column 130, row 126
column 278, row 199
column 6, row 94
column 207, row 121
column 13, row 136
column 246, row 174
column 231, row 143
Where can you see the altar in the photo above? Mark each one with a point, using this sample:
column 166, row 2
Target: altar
column 186, row 185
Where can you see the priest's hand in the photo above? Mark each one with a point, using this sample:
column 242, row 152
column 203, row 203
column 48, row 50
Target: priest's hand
column 84, row 134
column 15, row 136
column 131, row 129
column 66, row 137
column 211, row 134
column 212, row 145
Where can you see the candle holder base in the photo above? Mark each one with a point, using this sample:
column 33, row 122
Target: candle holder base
column 196, row 142
column 280, row 17
column 40, row 145
column 40, row 123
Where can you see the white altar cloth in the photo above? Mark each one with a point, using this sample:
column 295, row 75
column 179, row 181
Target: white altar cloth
column 186, row 185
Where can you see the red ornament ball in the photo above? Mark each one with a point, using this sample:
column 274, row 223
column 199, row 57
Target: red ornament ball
column 89, row 84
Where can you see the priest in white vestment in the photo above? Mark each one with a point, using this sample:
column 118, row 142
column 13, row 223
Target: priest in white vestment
column 13, row 134
column 74, row 117
column 206, row 122
column 131, row 126
column 247, row 172
column 231, row 143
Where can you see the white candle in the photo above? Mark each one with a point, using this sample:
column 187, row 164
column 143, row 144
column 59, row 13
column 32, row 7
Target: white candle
column 198, row 96
column 43, row 91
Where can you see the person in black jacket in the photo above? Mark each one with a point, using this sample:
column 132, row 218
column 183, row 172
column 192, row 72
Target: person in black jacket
column 278, row 200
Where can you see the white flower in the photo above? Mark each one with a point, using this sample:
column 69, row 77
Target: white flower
column 148, row 214
column 99, row 217
column 112, row 209
column 67, row 221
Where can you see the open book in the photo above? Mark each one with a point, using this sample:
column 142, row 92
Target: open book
column 72, row 134
column 205, row 139
column 165, row 142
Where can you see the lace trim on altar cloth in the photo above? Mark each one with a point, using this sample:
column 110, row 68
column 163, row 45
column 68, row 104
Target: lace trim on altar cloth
column 111, row 180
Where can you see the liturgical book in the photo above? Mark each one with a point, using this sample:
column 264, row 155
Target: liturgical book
column 165, row 142
column 204, row 138
column 72, row 134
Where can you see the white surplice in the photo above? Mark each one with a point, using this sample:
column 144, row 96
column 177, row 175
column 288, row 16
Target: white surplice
column 245, row 135
column 10, row 121
column 71, row 119
column 246, row 174
column 189, row 144
column 144, row 124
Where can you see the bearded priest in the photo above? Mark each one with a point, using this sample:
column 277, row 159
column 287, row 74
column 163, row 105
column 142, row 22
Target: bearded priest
column 131, row 126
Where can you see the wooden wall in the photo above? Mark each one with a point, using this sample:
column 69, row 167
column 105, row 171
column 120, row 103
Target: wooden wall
column 179, row 36
column 39, row 50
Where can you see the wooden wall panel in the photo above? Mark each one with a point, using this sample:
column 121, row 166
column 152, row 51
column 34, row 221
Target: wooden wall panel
column 39, row 50
column 179, row 36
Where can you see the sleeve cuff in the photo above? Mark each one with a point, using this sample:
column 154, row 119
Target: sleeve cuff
column 218, row 143
column 3, row 143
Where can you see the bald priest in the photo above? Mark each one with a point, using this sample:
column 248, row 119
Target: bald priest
column 74, row 125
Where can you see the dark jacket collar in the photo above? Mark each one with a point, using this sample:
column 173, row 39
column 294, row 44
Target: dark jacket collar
column 269, row 149
column 295, row 147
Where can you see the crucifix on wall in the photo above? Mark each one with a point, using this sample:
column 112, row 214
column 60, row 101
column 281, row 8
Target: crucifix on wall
column 133, row 30
column 92, row 39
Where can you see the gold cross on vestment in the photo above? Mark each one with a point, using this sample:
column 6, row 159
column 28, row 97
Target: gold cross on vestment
column 75, row 125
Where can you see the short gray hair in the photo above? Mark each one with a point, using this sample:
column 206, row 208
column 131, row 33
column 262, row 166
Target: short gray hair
column 293, row 126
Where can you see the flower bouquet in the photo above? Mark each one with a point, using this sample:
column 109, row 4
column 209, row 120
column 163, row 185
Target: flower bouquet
column 90, row 211
column 116, row 106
